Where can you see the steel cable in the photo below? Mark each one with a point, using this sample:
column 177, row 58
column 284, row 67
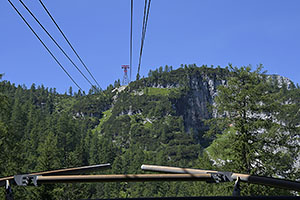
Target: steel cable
column 144, row 28
column 36, row 35
column 71, row 46
column 131, row 18
column 55, row 42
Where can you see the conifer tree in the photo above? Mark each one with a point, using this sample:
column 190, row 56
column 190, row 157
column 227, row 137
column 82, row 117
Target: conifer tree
column 249, row 129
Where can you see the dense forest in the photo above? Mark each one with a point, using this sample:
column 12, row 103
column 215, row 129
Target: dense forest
column 227, row 119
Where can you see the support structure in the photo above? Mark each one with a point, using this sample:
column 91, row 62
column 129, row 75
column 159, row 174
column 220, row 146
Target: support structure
column 125, row 76
column 8, row 191
column 237, row 189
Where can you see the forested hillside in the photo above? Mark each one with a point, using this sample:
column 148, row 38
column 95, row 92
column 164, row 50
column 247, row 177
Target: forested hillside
column 230, row 119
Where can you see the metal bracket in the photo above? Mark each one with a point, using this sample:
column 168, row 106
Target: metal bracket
column 220, row 177
column 26, row 180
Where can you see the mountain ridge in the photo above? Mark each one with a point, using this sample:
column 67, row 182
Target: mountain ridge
column 159, row 120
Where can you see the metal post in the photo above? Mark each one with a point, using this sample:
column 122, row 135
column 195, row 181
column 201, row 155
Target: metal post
column 237, row 189
column 8, row 191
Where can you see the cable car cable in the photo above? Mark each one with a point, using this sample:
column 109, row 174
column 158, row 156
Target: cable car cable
column 142, row 36
column 44, row 45
column 65, row 37
column 61, row 49
column 131, row 18
column 144, row 28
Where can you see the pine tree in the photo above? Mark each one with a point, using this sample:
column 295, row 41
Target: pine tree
column 48, row 160
column 248, row 128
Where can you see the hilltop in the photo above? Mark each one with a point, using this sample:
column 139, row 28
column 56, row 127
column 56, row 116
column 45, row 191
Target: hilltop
column 161, row 119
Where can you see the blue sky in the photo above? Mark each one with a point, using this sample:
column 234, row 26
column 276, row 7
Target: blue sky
column 212, row 32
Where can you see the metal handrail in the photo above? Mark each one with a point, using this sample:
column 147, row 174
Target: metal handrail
column 274, row 182
column 75, row 170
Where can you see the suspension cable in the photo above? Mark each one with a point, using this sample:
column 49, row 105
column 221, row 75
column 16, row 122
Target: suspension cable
column 142, row 36
column 69, row 43
column 61, row 49
column 44, row 45
column 131, row 17
column 144, row 28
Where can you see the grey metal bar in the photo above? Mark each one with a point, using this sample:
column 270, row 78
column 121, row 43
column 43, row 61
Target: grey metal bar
column 122, row 178
column 158, row 168
column 274, row 182
column 213, row 198
column 75, row 170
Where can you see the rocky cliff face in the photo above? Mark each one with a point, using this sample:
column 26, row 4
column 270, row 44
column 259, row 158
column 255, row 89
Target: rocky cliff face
column 194, row 107
column 197, row 88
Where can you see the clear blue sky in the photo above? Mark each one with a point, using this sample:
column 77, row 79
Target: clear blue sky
column 212, row 32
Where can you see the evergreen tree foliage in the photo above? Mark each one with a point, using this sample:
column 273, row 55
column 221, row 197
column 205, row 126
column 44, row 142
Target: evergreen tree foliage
column 251, row 135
